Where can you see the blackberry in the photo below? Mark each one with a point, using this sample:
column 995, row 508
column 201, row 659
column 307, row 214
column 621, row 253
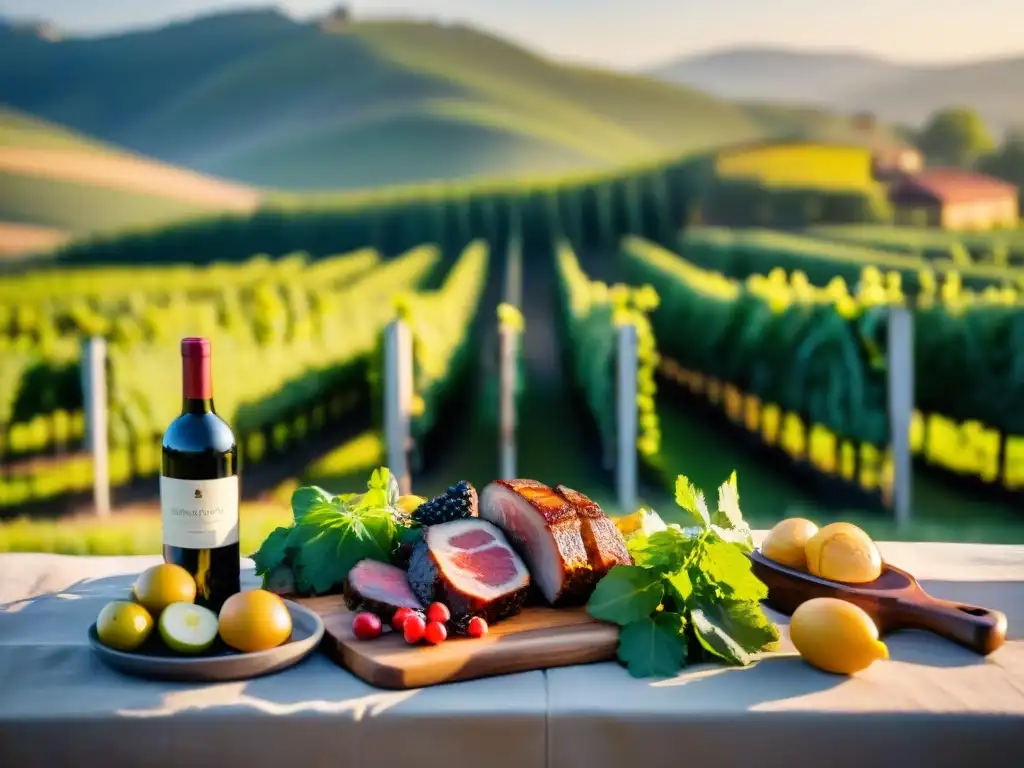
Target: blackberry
column 458, row 502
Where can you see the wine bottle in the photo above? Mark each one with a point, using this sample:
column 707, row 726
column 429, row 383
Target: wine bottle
column 199, row 486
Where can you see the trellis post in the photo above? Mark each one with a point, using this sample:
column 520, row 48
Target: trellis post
column 398, row 393
column 94, row 400
column 626, row 419
column 900, row 367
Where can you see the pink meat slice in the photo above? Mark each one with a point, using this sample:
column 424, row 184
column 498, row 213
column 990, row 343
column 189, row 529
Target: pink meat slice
column 469, row 566
column 545, row 530
column 471, row 539
column 493, row 566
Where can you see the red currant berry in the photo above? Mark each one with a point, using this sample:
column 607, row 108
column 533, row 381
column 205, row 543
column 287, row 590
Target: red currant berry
column 398, row 620
column 477, row 627
column 435, row 633
column 414, row 628
column 366, row 626
column 438, row 612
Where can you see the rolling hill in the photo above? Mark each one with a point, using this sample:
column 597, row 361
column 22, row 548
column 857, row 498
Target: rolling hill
column 260, row 98
column 55, row 183
column 850, row 82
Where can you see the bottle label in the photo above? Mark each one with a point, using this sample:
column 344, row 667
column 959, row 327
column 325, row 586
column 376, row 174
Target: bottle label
column 199, row 514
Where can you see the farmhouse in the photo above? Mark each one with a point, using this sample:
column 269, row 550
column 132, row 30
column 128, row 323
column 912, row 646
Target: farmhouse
column 952, row 198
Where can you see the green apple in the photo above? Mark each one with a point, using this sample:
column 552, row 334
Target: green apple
column 187, row 627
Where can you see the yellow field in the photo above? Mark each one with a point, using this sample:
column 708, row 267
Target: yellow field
column 798, row 164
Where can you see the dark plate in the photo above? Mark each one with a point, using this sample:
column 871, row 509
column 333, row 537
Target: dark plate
column 155, row 661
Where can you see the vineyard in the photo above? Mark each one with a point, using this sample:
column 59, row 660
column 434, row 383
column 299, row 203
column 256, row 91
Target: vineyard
column 776, row 336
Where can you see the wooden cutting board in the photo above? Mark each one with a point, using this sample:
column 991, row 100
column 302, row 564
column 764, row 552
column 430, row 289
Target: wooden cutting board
column 537, row 638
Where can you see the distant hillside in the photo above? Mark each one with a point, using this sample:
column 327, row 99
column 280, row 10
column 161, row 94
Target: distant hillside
column 852, row 82
column 55, row 183
column 816, row 123
column 769, row 74
column 258, row 97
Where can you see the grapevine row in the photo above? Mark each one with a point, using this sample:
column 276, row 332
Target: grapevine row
column 271, row 391
column 999, row 248
column 816, row 356
column 591, row 312
column 740, row 252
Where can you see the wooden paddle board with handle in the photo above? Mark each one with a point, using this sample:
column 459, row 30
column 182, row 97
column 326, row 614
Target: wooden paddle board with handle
column 894, row 601
column 536, row 638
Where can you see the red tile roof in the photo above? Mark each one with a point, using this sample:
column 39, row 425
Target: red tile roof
column 951, row 185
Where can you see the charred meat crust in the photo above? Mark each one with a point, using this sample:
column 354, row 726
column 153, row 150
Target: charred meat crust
column 552, row 507
column 564, row 524
column 429, row 585
column 605, row 545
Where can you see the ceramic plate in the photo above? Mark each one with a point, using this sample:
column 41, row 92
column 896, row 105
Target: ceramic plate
column 220, row 663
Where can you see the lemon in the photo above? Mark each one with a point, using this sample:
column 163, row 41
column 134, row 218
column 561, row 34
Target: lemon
column 254, row 620
column 188, row 628
column 159, row 586
column 835, row 636
column 843, row 552
column 123, row 625
column 408, row 504
column 785, row 542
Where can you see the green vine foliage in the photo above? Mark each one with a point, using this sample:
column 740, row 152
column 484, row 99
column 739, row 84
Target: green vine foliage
column 441, row 326
column 592, row 314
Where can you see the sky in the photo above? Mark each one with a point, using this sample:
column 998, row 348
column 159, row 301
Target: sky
column 632, row 34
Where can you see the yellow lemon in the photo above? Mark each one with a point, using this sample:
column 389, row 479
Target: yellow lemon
column 843, row 552
column 159, row 586
column 408, row 504
column 123, row 625
column 254, row 620
column 785, row 542
column 835, row 636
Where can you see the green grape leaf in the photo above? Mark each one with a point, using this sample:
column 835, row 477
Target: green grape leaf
column 384, row 488
column 653, row 647
column 626, row 594
column 307, row 498
column 273, row 551
column 728, row 522
column 728, row 571
column 328, row 541
column 679, row 587
column 665, row 550
column 691, row 500
column 734, row 630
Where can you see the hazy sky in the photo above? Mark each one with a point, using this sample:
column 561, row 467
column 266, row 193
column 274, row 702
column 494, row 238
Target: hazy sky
column 630, row 33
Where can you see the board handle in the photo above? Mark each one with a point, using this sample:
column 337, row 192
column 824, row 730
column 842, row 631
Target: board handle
column 982, row 630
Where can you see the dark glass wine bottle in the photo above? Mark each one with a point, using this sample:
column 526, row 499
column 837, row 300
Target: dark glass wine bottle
column 199, row 486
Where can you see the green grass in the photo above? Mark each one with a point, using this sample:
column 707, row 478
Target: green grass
column 551, row 452
column 136, row 533
column 929, row 242
column 707, row 454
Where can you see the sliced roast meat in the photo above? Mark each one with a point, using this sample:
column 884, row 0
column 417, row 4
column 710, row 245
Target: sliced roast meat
column 545, row 529
column 603, row 541
column 469, row 566
column 380, row 588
